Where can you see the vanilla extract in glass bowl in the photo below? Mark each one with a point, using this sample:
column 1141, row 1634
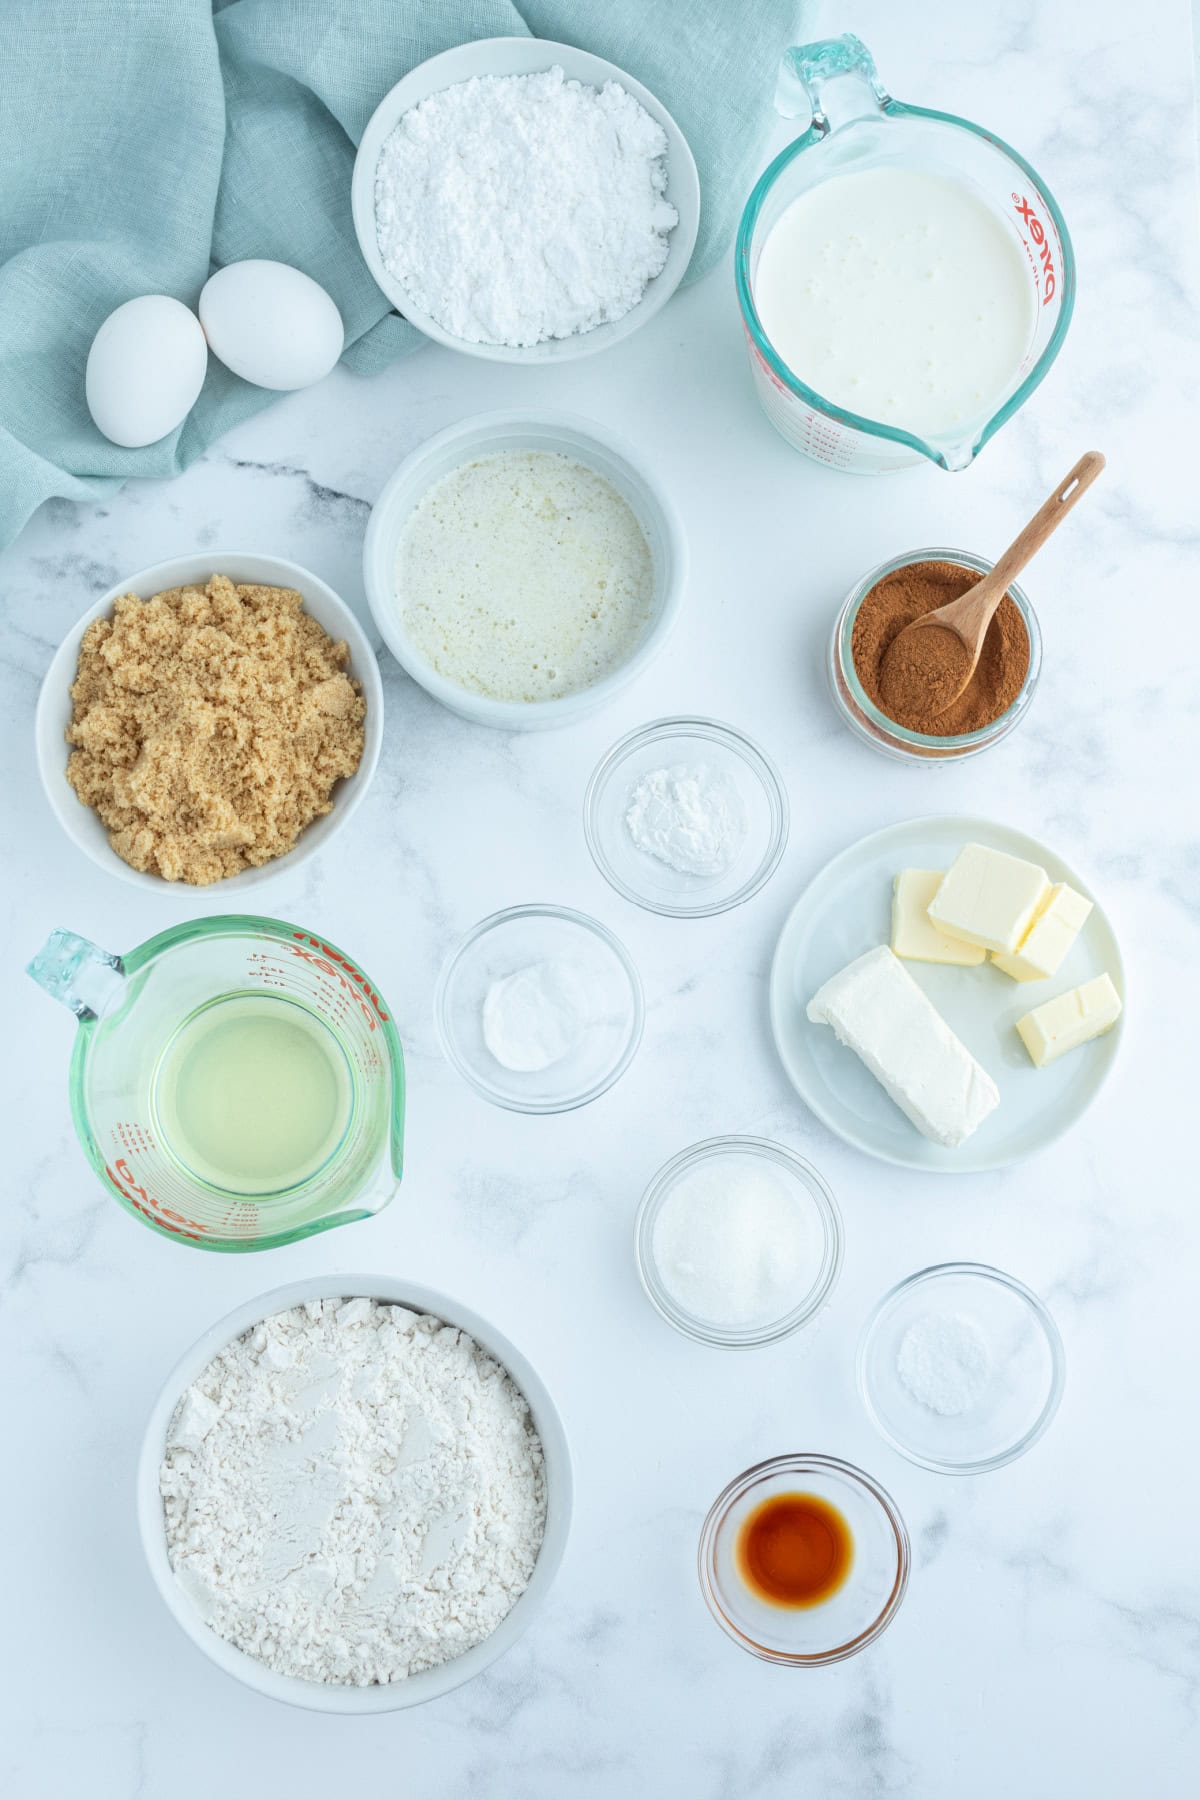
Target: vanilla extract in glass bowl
column 804, row 1560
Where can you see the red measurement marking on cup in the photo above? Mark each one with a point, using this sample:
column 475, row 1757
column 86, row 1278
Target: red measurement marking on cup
column 1039, row 237
column 165, row 1217
column 326, row 961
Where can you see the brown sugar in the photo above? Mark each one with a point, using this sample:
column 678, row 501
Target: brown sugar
column 907, row 594
column 210, row 726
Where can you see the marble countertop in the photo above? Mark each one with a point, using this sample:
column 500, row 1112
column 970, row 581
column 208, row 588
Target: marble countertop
column 1050, row 1641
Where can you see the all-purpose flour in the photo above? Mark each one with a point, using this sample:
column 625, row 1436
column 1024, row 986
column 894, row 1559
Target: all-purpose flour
column 517, row 208
column 353, row 1492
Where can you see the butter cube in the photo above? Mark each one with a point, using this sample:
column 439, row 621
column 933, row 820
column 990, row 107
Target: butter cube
column 1069, row 1020
column 1044, row 947
column 914, row 934
column 988, row 898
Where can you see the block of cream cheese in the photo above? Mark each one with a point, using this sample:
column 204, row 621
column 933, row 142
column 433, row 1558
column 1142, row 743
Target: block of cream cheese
column 989, row 898
column 1044, row 947
column 914, row 934
column 1069, row 1020
column 877, row 1010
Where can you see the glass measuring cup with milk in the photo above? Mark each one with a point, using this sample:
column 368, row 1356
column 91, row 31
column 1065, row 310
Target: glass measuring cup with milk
column 236, row 1083
column 905, row 279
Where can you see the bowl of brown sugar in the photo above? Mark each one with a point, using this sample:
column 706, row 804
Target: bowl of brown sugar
column 877, row 610
column 208, row 719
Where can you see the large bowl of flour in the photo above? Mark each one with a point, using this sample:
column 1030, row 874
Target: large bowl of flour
column 299, row 1493
column 478, row 248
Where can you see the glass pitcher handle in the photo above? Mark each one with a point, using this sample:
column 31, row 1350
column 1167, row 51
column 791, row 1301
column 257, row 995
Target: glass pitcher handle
column 807, row 69
column 77, row 972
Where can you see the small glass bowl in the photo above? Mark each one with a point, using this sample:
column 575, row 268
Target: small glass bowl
column 854, row 1616
column 1023, row 1388
column 822, row 1212
column 643, row 878
column 874, row 727
column 520, row 938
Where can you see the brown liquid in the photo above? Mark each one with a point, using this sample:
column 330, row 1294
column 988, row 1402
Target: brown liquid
column 794, row 1550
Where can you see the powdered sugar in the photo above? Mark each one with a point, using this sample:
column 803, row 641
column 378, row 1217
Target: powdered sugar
column 518, row 208
column 353, row 1492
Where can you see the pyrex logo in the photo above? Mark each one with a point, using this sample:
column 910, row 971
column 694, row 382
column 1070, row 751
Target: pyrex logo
column 1042, row 247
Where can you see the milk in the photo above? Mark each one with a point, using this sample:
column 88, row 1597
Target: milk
column 900, row 296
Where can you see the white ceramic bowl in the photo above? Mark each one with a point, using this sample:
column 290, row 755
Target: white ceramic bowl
column 83, row 826
column 487, row 434
column 430, row 1684
column 526, row 56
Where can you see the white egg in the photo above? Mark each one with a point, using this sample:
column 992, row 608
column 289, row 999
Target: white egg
column 271, row 324
column 145, row 370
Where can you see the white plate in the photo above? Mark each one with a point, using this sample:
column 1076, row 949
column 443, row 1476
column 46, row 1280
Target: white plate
column 847, row 910
column 525, row 56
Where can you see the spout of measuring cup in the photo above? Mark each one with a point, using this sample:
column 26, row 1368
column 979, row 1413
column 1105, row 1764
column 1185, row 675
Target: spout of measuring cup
column 957, row 456
column 77, row 972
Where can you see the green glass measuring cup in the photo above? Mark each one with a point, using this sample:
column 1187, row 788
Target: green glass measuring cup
column 134, row 1013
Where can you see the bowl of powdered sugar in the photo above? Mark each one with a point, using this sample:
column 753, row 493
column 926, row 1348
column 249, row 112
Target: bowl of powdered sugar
column 354, row 1493
column 524, row 201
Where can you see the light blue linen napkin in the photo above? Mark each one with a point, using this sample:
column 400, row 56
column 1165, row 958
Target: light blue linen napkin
column 145, row 142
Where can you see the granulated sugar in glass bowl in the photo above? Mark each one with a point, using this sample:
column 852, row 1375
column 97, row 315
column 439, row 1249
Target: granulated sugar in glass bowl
column 738, row 1242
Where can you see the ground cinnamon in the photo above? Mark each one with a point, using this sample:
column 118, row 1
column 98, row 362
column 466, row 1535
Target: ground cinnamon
column 909, row 593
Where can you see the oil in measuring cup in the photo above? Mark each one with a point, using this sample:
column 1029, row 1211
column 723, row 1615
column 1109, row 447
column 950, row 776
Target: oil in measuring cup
column 252, row 1094
column 236, row 1083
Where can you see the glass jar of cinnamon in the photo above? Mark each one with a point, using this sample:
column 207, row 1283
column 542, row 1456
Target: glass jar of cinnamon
column 867, row 720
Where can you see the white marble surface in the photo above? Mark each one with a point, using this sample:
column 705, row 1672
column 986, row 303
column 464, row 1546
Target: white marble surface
column 1050, row 1643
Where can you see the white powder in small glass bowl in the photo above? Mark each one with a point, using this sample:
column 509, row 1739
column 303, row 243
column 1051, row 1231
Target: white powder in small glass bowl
column 732, row 1245
column 944, row 1362
column 690, row 817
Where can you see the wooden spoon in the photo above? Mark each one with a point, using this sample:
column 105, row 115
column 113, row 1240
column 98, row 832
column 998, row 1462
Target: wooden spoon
column 929, row 663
